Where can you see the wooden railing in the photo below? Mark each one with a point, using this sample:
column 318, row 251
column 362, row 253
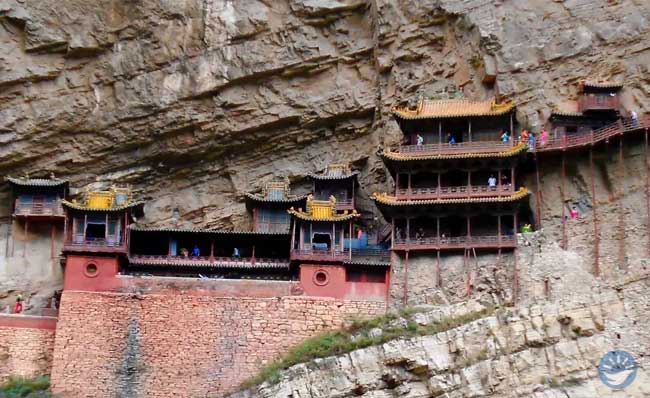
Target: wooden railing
column 81, row 243
column 38, row 208
column 464, row 191
column 344, row 204
column 595, row 136
column 456, row 242
column 274, row 227
column 199, row 261
column 462, row 147
column 598, row 102
column 320, row 255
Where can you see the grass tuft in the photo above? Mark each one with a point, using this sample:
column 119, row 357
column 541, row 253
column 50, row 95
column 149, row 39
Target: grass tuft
column 20, row 387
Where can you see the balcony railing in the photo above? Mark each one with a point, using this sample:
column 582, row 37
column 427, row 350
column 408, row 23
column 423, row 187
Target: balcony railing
column 207, row 261
column 594, row 136
column 81, row 243
column 273, row 227
column 320, row 255
column 464, row 191
column 456, row 242
column 459, row 148
column 53, row 209
column 598, row 102
column 344, row 204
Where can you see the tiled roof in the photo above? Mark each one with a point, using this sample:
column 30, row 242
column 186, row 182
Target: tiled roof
column 207, row 231
column 37, row 182
column 218, row 263
column 558, row 112
column 334, row 217
column 78, row 206
column 374, row 263
column 439, row 109
column 335, row 172
column 594, row 84
column 398, row 156
column 386, row 199
column 289, row 199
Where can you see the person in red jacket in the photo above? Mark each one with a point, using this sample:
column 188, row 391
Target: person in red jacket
column 18, row 308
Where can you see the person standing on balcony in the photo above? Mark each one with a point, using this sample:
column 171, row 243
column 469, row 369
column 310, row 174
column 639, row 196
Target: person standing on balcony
column 450, row 139
column 635, row 118
column 505, row 137
column 195, row 251
column 543, row 136
column 492, row 181
column 419, row 140
column 524, row 136
column 235, row 253
column 531, row 141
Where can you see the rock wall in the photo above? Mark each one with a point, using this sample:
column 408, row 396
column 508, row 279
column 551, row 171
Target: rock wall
column 26, row 346
column 549, row 349
column 151, row 345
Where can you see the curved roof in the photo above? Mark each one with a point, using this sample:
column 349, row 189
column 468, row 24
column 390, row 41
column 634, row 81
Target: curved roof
column 335, row 171
column 332, row 218
column 558, row 112
column 386, row 199
column 404, row 157
column 259, row 198
column 452, row 108
column 78, row 206
column 37, row 182
column 603, row 84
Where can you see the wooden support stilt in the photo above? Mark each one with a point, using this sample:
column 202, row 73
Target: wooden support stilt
column 538, row 194
column 26, row 237
column 515, row 278
column 438, row 270
column 465, row 255
column 406, row 277
column 565, row 242
column 622, row 263
column 647, row 186
column 52, row 239
column 595, row 212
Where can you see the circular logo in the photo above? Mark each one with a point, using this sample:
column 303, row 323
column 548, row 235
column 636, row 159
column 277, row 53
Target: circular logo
column 617, row 369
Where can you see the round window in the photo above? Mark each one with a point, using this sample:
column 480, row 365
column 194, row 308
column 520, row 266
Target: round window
column 321, row 277
column 91, row 270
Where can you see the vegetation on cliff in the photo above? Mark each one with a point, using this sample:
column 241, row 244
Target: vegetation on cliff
column 20, row 387
column 361, row 334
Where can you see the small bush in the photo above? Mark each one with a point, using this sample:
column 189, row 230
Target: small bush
column 20, row 387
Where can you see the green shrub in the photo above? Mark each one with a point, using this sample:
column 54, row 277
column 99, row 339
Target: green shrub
column 20, row 387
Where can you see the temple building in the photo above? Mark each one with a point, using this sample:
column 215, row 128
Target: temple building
column 598, row 105
column 37, row 202
column 454, row 195
column 269, row 209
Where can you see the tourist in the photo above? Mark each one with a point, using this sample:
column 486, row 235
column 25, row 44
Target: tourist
column 531, row 141
column 524, row 136
column 574, row 213
column 526, row 228
column 420, row 234
column 492, row 181
column 184, row 252
column 635, row 118
column 18, row 308
column 504, row 180
column 450, row 139
column 443, row 238
column 543, row 137
column 505, row 137
column 195, row 251
column 235, row 253
column 419, row 140
column 398, row 233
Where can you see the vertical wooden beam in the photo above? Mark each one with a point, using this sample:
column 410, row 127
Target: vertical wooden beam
column 439, row 175
column 647, row 187
column 302, row 237
column 595, row 213
column 515, row 277
column 52, row 238
column 408, row 229
column 392, row 232
column 512, row 128
column 499, row 180
column 252, row 255
column 438, row 269
column 169, row 245
column 85, row 227
column 499, row 228
column 293, row 233
column 26, row 236
column 406, row 277
column 469, row 182
column 439, row 131
column 538, row 195
column 212, row 250
column 565, row 242
column 106, row 229
column 255, row 223
column 396, row 183
column 409, row 182
column 621, row 213
column 333, row 239
column 512, row 179
column 469, row 129
column 350, row 239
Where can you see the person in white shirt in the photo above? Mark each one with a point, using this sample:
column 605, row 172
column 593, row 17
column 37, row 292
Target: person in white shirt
column 492, row 181
column 420, row 140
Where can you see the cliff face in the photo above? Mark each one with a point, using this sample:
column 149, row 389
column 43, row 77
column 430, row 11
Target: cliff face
column 194, row 102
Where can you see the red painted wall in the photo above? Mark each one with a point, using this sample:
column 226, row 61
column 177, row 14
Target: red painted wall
column 78, row 277
column 335, row 285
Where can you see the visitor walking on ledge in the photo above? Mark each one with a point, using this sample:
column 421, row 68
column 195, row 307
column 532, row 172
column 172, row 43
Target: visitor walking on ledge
column 419, row 140
column 543, row 136
column 505, row 137
column 196, row 252
column 524, row 136
column 18, row 308
column 635, row 118
column 574, row 212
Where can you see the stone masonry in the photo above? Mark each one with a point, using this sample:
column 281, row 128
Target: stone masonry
column 127, row 345
column 25, row 351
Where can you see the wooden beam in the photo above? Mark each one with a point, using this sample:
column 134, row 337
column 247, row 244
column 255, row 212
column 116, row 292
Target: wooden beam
column 594, row 205
column 406, row 277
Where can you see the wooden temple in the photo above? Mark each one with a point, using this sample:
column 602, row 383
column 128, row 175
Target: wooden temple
column 38, row 201
column 458, row 195
column 269, row 208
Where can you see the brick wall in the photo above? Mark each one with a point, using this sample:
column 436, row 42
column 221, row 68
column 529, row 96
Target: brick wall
column 26, row 345
column 112, row 344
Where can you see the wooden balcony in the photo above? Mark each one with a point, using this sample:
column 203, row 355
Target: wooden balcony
column 209, row 262
column 272, row 227
column 603, row 102
column 592, row 137
column 96, row 245
column 456, row 149
column 459, row 192
column 344, row 204
column 320, row 255
column 39, row 209
column 457, row 242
